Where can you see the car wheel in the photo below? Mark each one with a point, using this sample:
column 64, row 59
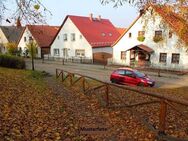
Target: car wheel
column 141, row 84
column 113, row 81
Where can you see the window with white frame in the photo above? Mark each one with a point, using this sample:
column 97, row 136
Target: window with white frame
column 79, row 52
column 65, row 37
column 56, row 52
column 175, row 58
column 73, row 37
column 30, row 38
column 141, row 33
column 162, row 58
column 158, row 33
column 123, row 55
column 25, row 39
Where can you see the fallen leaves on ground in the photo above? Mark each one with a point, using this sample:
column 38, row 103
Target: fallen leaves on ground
column 36, row 109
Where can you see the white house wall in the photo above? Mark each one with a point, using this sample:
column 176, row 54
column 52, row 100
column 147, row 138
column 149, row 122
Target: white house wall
column 168, row 45
column 22, row 44
column 79, row 43
column 3, row 41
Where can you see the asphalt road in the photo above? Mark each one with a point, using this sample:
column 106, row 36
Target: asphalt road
column 99, row 72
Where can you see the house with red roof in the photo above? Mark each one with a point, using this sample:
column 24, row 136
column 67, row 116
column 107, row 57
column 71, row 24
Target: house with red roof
column 157, row 38
column 85, row 37
column 43, row 35
column 121, row 30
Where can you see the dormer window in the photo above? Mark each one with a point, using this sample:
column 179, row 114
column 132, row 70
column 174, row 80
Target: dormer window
column 130, row 35
column 103, row 34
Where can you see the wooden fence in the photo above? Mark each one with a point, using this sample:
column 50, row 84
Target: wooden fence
column 115, row 96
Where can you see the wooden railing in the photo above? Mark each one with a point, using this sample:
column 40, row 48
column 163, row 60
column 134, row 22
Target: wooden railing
column 109, row 97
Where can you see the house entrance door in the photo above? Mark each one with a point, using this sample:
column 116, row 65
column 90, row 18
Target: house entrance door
column 65, row 53
column 139, row 57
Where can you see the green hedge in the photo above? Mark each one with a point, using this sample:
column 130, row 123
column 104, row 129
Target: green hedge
column 12, row 62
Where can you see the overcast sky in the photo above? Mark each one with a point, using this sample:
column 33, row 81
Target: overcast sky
column 120, row 17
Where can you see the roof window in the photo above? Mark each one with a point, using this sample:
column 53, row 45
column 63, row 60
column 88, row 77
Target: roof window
column 103, row 34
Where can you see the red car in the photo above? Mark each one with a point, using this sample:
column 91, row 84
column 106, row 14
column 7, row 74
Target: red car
column 131, row 77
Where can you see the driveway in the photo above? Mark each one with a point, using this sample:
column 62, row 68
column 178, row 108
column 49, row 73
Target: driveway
column 99, row 72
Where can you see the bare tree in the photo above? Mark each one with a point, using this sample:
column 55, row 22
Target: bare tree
column 141, row 3
column 27, row 11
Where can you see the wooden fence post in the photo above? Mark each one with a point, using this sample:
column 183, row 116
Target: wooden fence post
column 159, row 72
column 62, row 76
column 56, row 72
column 71, row 75
column 162, row 116
column 63, row 62
column 83, row 84
column 107, row 95
column 43, row 59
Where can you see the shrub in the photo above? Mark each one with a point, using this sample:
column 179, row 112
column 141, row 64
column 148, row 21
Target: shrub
column 11, row 48
column 141, row 38
column 12, row 62
column 157, row 39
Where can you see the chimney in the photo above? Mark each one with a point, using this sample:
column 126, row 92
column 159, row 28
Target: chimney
column 91, row 17
column 142, row 11
column 18, row 22
column 99, row 17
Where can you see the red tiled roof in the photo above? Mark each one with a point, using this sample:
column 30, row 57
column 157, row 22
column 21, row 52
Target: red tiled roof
column 43, row 34
column 146, row 48
column 98, row 33
column 121, row 30
column 175, row 21
column 143, row 47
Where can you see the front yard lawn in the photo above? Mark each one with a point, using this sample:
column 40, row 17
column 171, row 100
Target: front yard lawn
column 36, row 107
column 28, row 108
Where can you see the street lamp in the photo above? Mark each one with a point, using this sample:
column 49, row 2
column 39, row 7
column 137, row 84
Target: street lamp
column 32, row 52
